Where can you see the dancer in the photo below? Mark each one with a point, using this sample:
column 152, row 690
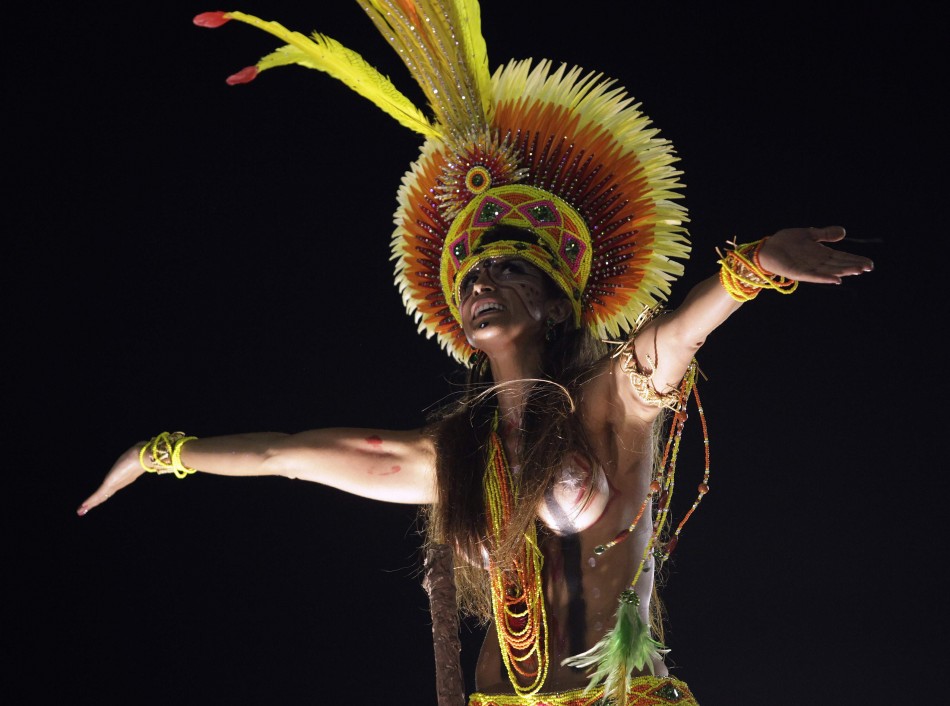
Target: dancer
column 536, row 238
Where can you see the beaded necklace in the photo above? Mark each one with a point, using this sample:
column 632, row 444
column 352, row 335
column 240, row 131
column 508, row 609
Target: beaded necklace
column 517, row 593
column 516, row 590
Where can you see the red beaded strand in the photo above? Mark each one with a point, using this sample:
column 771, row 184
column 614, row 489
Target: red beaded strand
column 661, row 487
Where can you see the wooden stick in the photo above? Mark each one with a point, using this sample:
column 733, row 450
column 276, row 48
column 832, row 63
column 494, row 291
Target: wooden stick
column 440, row 585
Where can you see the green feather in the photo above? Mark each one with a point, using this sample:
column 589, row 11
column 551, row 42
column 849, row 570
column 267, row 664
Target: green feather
column 628, row 647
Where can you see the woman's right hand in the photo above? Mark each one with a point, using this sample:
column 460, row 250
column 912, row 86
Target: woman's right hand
column 124, row 472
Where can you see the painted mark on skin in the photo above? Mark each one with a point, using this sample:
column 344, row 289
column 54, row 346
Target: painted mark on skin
column 586, row 478
column 374, row 440
column 532, row 297
column 391, row 471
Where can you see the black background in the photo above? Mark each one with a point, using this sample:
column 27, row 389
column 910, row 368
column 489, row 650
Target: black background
column 181, row 254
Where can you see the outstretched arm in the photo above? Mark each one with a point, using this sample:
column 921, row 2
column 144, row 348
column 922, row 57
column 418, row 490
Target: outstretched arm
column 667, row 344
column 393, row 466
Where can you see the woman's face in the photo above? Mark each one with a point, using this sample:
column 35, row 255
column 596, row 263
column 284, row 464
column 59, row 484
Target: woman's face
column 501, row 293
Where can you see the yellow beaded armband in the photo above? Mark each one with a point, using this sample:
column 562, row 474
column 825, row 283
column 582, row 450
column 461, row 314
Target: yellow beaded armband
column 743, row 277
column 163, row 454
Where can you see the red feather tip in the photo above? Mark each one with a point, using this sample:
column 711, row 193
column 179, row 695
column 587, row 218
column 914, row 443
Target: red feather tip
column 211, row 19
column 245, row 75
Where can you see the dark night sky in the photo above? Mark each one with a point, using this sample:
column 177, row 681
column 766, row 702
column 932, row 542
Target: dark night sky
column 184, row 254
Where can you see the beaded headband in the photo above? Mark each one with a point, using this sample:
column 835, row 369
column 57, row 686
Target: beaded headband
column 564, row 154
column 559, row 244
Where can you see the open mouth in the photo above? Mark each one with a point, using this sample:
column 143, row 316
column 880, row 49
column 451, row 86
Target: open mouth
column 485, row 307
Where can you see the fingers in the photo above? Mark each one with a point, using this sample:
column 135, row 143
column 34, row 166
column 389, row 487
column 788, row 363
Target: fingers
column 840, row 263
column 105, row 491
column 828, row 234
column 125, row 471
column 845, row 263
column 853, row 264
column 94, row 500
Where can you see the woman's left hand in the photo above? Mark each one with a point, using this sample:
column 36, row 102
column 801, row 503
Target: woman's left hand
column 799, row 253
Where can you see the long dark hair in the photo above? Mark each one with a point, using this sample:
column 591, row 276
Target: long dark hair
column 550, row 430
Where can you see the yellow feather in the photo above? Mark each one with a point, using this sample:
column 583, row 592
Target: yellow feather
column 441, row 43
column 325, row 54
column 470, row 22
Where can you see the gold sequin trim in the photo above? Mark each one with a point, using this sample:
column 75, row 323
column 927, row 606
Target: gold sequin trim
column 642, row 381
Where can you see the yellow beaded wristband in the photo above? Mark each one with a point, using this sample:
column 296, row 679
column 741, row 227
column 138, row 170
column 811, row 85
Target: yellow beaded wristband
column 162, row 454
column 743, row 277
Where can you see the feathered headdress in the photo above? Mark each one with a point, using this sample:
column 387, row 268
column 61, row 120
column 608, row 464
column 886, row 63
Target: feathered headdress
column 563, row 153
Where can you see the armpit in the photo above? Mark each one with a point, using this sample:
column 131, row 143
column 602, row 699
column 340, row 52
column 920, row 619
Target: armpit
column 642, row 380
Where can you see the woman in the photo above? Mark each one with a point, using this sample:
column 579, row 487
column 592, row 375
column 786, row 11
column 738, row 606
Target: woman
column 509, row 309
column 537, row 225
